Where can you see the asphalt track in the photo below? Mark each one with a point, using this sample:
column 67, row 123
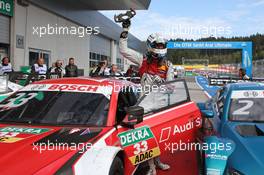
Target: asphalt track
column 185, row 162
column 196, row 93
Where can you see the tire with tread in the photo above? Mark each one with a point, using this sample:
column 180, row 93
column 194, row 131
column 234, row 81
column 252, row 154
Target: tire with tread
column 117, row 167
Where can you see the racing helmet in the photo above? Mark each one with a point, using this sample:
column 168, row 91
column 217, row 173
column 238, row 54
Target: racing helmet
column 157, row 46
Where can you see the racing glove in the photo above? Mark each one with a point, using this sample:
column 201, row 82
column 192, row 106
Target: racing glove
column 124, row 34
column 126, row 24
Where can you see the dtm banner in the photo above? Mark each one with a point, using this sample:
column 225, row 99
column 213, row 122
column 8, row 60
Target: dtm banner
column 140, row 144
column 246, row 48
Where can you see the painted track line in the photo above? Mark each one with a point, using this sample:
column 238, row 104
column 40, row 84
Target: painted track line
column 206, row 93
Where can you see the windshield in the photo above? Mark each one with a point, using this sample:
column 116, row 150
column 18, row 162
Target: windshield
column 55, row 108
column 247, row 106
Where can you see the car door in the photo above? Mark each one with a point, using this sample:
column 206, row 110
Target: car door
column 170, row 114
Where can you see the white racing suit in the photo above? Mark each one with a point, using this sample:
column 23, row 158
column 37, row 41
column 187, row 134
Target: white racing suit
column 137, row 58
column 146, row 80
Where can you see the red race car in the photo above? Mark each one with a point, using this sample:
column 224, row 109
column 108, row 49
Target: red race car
column 96, row 126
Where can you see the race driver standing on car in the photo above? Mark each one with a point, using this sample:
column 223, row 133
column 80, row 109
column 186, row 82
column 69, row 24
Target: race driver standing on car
column 154, row 69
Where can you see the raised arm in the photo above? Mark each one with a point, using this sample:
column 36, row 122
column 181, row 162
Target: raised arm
column 129, row 54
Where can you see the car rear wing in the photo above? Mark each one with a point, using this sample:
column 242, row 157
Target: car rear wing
column 223, row 81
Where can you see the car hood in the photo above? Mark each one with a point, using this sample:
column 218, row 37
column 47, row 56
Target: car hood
column 38, row 146
column 249, row 138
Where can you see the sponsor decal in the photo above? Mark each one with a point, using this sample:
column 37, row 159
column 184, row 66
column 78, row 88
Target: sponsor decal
column 74, row 87
column 247, row 94
column 171, row 131
column 24, row 130
column 19, row 100
column 13, row 134
column 211, row 171
column 105, row 90
column 38, row 87
column 216, row 159
column 145, row 156
column 140, row 144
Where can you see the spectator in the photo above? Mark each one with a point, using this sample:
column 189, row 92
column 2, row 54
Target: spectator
column 132, row 71
column 242, row 74
column 106, row 70
column 129, row 71
column 93, row 69
column 99, row 69
column 52, row 67
column 57, row 69
column 6, row 66
column 39, row 67
column 71, row 69
column 114, row 71
column 102, row 69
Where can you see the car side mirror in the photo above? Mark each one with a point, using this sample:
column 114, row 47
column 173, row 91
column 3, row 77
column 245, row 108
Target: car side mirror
column 208, row 113
column 135, row 116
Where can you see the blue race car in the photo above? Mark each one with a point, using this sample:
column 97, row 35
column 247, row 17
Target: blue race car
column 236, row 112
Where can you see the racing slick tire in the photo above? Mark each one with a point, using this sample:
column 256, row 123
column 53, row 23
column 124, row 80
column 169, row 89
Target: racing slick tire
column 117, row 167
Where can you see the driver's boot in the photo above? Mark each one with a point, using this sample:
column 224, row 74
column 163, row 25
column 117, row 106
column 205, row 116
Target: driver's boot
column 160, row 165
column 152, row 168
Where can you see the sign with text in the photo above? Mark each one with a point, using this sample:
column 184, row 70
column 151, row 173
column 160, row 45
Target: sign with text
column 245, row 46
column 139, row 144
column 7, row 7
column 12, row 134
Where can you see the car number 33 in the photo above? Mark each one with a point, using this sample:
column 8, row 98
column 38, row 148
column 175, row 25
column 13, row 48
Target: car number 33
column 141, row 147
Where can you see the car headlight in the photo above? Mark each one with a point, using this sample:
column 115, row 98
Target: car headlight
column 232, row 171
